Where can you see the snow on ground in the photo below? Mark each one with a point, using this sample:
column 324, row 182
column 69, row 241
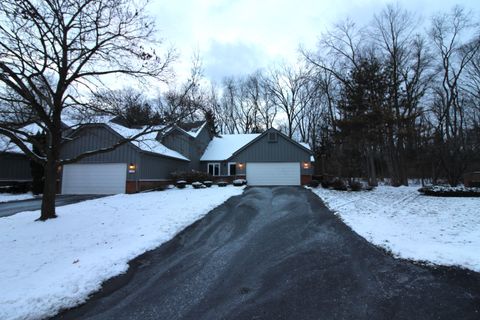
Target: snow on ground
column 435, row 230
column 5, row 197
column 46, row 266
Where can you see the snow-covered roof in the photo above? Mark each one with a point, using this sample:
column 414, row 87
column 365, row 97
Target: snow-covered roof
column 195, row 131
column 224, row 146
column 6, row 145
column 147, row 142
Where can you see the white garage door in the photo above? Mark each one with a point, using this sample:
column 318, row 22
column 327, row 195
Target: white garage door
column 108, row 178
column 273, row 173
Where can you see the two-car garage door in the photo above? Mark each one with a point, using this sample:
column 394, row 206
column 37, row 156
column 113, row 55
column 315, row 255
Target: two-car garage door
column 273, row 173
column 105, row 178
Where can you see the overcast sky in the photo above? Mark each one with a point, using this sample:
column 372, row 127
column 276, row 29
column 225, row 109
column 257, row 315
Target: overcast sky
column 236, row 37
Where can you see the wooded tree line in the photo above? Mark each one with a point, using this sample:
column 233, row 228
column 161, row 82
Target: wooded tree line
column 397, row 98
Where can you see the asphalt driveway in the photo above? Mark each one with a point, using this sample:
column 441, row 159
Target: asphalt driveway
column 279, row 253
column 12, row 207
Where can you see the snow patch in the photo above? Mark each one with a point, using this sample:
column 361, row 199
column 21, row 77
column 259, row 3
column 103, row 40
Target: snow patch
column 444, row 231
column 48, row 266
column 6, row 197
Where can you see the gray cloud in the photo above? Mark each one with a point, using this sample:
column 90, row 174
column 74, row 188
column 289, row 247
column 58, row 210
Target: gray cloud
column 229, row 59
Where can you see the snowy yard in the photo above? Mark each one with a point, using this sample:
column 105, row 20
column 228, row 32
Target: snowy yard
column 57, row 264
column 5, row 197
column 436, row 230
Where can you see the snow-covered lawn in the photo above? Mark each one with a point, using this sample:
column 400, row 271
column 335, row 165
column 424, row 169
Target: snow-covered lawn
column 5, row 197
column 46, row 266
column 435, row 230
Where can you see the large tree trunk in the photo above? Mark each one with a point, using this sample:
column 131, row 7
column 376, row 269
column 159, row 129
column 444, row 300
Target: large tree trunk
column 49, row 191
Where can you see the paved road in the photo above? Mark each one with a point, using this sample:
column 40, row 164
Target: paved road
column 12, row 207
column 278, row 253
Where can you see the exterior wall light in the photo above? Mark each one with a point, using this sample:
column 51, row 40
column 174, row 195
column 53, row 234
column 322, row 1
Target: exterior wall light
column 132, row 167
column 306, row 165
column 241, row 165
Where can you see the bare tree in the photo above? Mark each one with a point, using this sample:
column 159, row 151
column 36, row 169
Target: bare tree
column 456, row 41
column 407, row 62
column 285, row 86
column 54, row 54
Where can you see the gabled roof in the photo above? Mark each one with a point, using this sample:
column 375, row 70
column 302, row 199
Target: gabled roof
column 191, row 129
column 224, row 146
column 146, row 142
column 6, row 145
column 298, row 144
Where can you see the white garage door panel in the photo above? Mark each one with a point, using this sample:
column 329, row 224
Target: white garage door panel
column 94, row 178
column 273, row 173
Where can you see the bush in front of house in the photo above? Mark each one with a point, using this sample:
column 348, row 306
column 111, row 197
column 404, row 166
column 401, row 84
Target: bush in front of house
column 339, row 185
column 239, row 182
column 190, row 176
column 222, row 183
column 180, row 184
column 355, row 185
column 197, row 185
column 16, row 188
column 448, row 191
column 207, row 183
column 314, row 184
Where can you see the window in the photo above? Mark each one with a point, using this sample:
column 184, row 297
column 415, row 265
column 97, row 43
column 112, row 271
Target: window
column 214, row 169
column 272, row 137
column 232, row 168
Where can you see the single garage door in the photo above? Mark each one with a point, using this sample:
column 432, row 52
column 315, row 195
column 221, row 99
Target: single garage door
column 105, row 178
column 273, row 173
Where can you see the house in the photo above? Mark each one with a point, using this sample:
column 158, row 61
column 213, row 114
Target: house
column 266, row 159
column 14, row 164
column 270, row 158
column 132, row 167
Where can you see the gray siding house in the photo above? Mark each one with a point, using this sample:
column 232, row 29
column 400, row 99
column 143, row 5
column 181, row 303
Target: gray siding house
column 270, row 158
column 132, row 167
column 14, row 168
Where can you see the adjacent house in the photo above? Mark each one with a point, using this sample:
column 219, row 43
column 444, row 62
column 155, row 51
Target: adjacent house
column 270, row 158
column 14, row 164
column 132, row 167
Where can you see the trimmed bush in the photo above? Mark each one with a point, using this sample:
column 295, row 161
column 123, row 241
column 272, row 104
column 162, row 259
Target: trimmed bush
column 314, row 184
column 197, row 185
column 180, row 184
column 16, row 188
column 339, row 184
column 207, row 183
column 447, row 191
column 190, row 176
column 222, row 183
column 239, row 182
column 355, row 185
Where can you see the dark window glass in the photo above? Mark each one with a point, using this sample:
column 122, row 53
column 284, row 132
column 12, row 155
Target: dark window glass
column 272, row 137
column 233, row 169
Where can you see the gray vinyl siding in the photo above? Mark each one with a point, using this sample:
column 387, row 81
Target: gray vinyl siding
column 179, row 142
column 190, row 147
column 14, row 167
column 281, row 151
column 94, row 138
column 159, row 168
column 198, row 146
